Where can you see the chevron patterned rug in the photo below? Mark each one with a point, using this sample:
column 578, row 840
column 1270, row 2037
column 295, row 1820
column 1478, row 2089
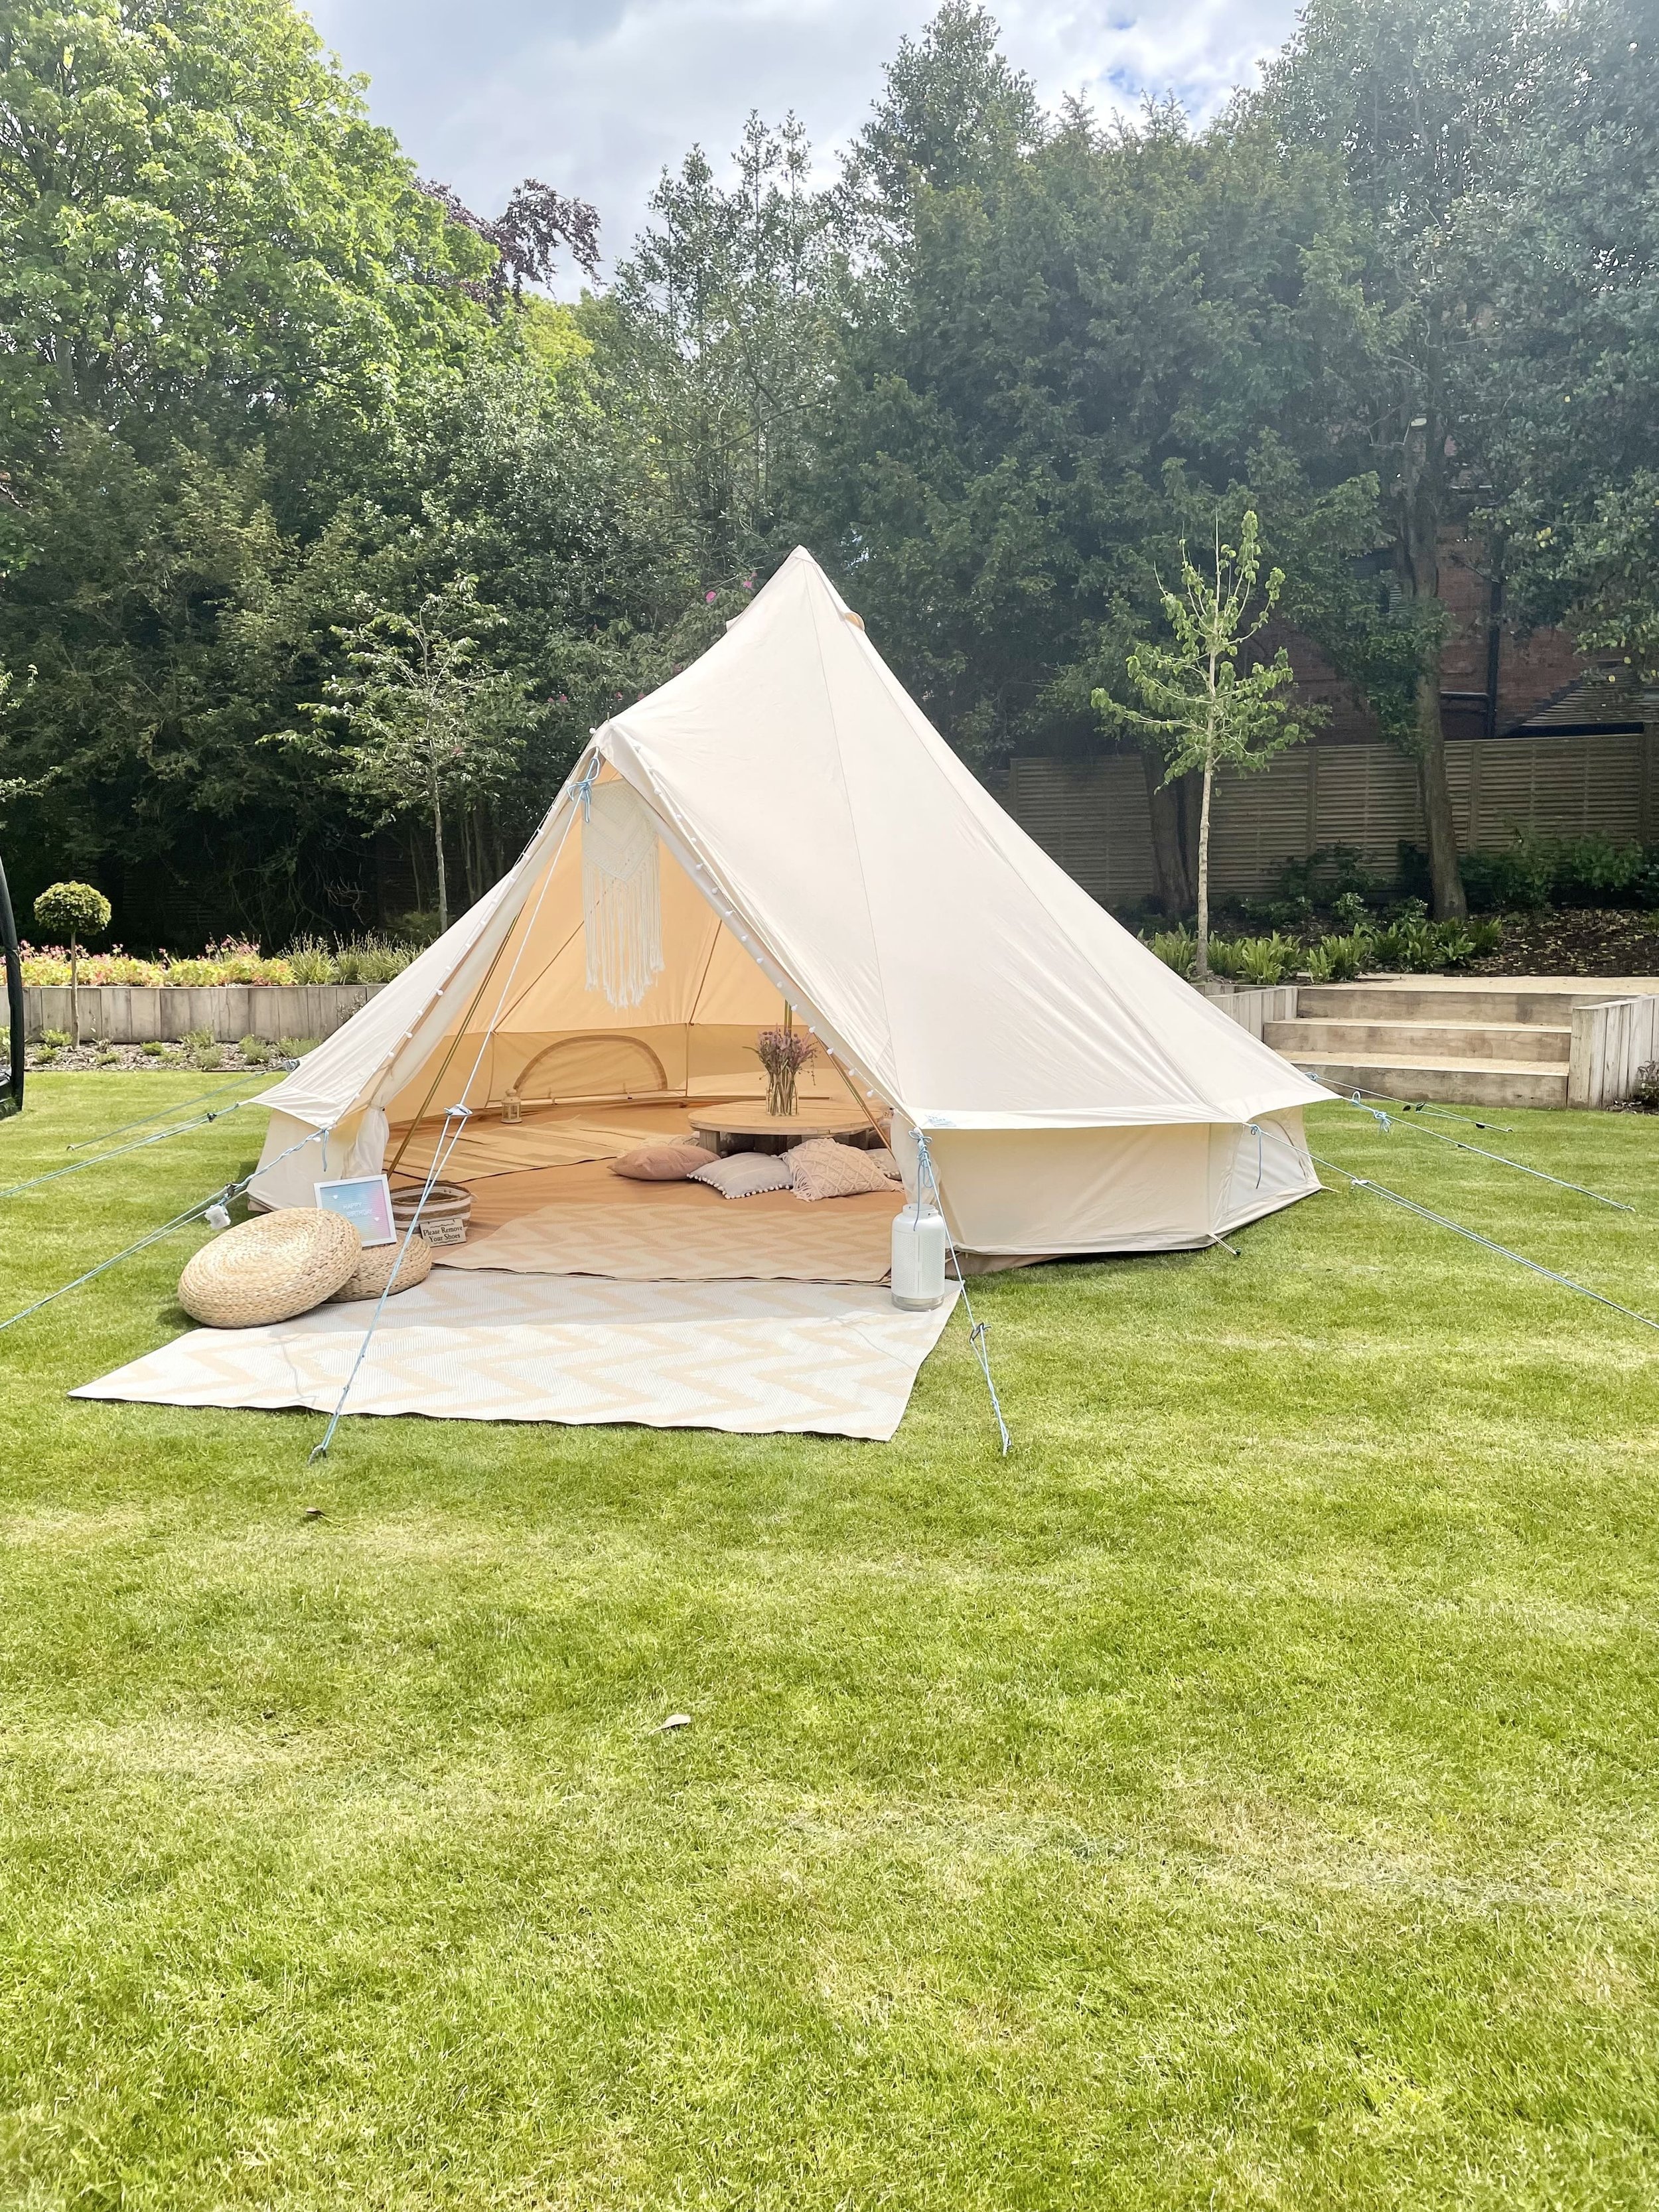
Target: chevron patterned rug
column 827, row 1358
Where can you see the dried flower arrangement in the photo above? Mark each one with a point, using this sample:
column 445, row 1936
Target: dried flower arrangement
column 783, row 1054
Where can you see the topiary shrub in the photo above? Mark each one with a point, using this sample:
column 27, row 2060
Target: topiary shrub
column 75, row 911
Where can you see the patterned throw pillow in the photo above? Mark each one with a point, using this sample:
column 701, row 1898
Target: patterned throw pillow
column 666, row 1163
column 824, row 1168
column 745, row 1175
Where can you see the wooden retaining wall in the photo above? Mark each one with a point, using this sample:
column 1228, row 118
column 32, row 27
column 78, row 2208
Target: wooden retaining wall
column 130, row 1013
column 1611, row 1038
column 1250, row 1009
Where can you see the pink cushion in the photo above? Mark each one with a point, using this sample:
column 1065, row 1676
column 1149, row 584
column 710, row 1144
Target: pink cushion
column 824, row 1168
column 666, row 1162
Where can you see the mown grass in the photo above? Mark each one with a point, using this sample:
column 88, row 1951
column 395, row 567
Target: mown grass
column 1243, row 1794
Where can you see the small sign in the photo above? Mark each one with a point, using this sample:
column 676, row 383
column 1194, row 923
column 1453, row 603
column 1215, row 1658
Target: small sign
column 366, row 1202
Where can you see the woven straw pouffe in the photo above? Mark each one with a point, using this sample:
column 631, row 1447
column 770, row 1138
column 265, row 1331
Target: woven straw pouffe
column 270, row 1268
column 369, row 1276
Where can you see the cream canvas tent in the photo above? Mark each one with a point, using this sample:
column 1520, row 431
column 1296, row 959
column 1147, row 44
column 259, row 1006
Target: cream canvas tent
column 818, row 845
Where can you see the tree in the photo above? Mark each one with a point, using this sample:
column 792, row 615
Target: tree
column 1207, row 703
column 225, row 298
column 1421, row 103
column 527, row 237
column 72, row 911
column 198, row 222
column 514, row 473
column 718, row 333
column 427, row 725
column 952, row 113
column 1562, row 252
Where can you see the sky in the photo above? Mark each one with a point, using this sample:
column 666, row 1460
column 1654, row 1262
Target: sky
column 594, row 97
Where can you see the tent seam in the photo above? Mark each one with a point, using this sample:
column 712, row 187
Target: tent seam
column 858, row 852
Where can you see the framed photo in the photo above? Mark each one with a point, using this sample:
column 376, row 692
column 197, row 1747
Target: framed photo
column 366, row 1202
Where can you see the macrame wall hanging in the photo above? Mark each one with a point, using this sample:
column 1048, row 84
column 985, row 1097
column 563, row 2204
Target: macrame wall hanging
column 621, row 894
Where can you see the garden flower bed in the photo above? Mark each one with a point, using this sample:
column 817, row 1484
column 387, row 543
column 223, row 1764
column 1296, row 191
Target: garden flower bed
column 234, row 960
column 205, row 1006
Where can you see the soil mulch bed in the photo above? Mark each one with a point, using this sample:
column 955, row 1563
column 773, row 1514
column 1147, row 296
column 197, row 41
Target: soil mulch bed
column 132, row 1059
column 1575, row 941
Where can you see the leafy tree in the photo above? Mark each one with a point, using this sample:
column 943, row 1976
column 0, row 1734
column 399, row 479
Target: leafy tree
column 1420, row 102
column 952, row 113
column 527, row 236
column 72, row 911
column 718, row 333
column 1563, row 250
column 1209, row 704
column 514, row 474
column 227, row 302
column 198, row 222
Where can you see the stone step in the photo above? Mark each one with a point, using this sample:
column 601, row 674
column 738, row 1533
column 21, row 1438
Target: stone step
column 1451, row 1042
column 1446, row 1083
column 1477, row 1003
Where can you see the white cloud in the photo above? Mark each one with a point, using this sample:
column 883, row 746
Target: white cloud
column 595, row 97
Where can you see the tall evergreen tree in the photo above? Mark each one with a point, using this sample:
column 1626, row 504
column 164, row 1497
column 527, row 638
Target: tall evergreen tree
column 1418, row 103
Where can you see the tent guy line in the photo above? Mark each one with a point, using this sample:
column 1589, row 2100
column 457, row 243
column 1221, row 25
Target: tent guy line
column 1390, row 1123
column 158, row 1137
column 976, row 1328
column 181, row 1105
column 1488, row 1243
column 223, row 1196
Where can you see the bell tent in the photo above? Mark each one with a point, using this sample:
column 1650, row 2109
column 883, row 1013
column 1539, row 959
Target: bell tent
column 778, row 836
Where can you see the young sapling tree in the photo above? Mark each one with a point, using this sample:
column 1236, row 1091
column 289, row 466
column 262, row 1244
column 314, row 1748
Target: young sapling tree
column 1209, row 705
column 428, row 727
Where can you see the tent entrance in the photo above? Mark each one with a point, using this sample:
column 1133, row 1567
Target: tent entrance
column 556, row 1076
column 566, row 1083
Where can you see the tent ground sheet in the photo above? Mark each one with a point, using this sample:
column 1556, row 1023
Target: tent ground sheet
column 583, row 1220
column 753, row 1357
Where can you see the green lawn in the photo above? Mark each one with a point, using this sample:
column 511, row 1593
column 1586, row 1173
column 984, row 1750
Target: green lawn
column 1243, row 1794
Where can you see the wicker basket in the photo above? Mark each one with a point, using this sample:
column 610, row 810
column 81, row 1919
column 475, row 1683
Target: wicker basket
column 369, row 1276
column 444, row 1217
column 270, row 1268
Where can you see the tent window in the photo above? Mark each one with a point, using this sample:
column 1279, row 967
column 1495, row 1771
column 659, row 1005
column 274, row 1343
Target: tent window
column 597, row 1069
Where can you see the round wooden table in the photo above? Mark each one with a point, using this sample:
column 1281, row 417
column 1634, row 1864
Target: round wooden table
column 719, row 1123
